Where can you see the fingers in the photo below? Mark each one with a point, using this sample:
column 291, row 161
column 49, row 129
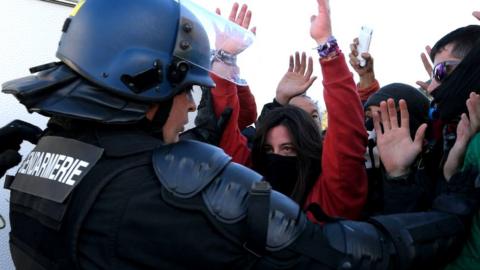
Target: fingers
column 423, row 85
column 376, row 124
column 254, row 30
column 404, row 115
column 309, row 68
column 354, row 62
column 303, row 63
column 323, row 6
column 367, row 56
column 428, row 49
column 392, row 113
column 241, row 15
column 464, row 121
column 246, row 22
column 308, row 84
column 290, row 64
column 297, row 62
column 233, row 13
column 426, row 64
column 353, row 47
column 473, row 106
column 419, row 135
column 384, row 116
column 218, row 11
column 243, row 18
column 476, row 14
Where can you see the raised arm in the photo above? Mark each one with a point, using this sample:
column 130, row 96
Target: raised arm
column 226, row 93
column 342, row 188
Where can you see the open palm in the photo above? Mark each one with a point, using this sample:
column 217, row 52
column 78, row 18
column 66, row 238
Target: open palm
column 396, row 148
column 296, row 80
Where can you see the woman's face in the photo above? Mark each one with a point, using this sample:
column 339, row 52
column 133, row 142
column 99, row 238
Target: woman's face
column 279, row 141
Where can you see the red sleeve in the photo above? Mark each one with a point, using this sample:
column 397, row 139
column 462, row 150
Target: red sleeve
column 232, row 141
column 366, row 92
column 341, row 189
column 248, row 107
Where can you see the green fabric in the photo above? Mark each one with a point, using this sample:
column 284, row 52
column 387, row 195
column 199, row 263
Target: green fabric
column 469, row 258
column 472, row 157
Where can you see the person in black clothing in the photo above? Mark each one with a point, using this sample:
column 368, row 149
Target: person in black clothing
column 110, row 186
column 388, row 195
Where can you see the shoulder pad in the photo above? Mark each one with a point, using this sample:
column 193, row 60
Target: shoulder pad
column 226, row 197
column 227, row 200
column 286, row 222
column 186, row 167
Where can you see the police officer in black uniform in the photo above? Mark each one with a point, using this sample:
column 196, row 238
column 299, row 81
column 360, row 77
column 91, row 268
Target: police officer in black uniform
column 109, row 186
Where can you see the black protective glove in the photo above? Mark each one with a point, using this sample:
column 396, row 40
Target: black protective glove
column 461, row 195
column 11, row 136
column 208, row 128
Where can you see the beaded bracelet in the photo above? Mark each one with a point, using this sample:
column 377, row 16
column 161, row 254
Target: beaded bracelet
column 224, row 57
column 328, row 48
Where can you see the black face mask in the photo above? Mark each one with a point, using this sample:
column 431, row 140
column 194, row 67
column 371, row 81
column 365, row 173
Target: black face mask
column 281, row 172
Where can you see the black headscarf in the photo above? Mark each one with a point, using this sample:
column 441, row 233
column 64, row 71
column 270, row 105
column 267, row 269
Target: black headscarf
column 417, row 103
column 451, row 96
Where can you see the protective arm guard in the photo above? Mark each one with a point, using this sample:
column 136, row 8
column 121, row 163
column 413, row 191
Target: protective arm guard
column 230, row 197
column 425, row 240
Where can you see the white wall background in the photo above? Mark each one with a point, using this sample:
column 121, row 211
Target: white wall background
column 30, row 29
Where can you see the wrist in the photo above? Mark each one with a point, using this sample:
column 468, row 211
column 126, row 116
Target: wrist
column 224, row 57
column 397, row 174
column 282, row 100
column 329, row 49
column 366, row 80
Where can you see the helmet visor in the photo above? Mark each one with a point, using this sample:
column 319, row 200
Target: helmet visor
column 204, row 36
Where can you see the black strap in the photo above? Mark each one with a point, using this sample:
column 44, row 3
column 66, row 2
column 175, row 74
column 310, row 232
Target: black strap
column 90, row 190
column 257, row 218
column 319, row 214
column 8, row 181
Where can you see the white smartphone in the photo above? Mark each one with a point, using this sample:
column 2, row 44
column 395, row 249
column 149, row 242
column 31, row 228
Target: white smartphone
column 364, row 43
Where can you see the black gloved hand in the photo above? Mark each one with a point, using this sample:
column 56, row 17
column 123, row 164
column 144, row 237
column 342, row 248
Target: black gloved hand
column 461, row 195
column 11, row 136
column 208, row 128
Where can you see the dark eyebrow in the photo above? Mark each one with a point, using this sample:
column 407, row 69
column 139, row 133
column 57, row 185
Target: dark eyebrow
column 286, row 144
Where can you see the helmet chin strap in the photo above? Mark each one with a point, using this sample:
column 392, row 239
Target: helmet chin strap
column 161, row 117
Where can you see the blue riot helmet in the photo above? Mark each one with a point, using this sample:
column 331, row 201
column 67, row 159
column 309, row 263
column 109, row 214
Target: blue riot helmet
column 127, row 47
column 118, row 57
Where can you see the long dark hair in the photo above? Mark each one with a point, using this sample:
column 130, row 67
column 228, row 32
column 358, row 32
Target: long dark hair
column 306, row 139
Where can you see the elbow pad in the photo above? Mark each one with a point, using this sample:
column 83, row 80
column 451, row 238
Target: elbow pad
column 424, row 240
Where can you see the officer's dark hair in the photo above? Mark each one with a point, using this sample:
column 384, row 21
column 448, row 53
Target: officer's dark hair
column 306, row 139
column 462, row 39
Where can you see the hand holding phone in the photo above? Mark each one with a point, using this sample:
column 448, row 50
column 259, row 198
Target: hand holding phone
column 364, row 43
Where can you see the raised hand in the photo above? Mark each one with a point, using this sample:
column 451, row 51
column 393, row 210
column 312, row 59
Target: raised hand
column 473, row 106
column 366, row 73
column 395, row 146
column 296, row 80
column 466, row 129
column 457, row 152
column 228, row 39
column 428, row 67
column 320, row 24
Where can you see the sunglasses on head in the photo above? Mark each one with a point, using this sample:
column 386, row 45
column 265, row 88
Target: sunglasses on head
column 442, row 70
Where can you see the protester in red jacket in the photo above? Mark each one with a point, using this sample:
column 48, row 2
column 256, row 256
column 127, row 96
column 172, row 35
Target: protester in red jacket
column 340, row 190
